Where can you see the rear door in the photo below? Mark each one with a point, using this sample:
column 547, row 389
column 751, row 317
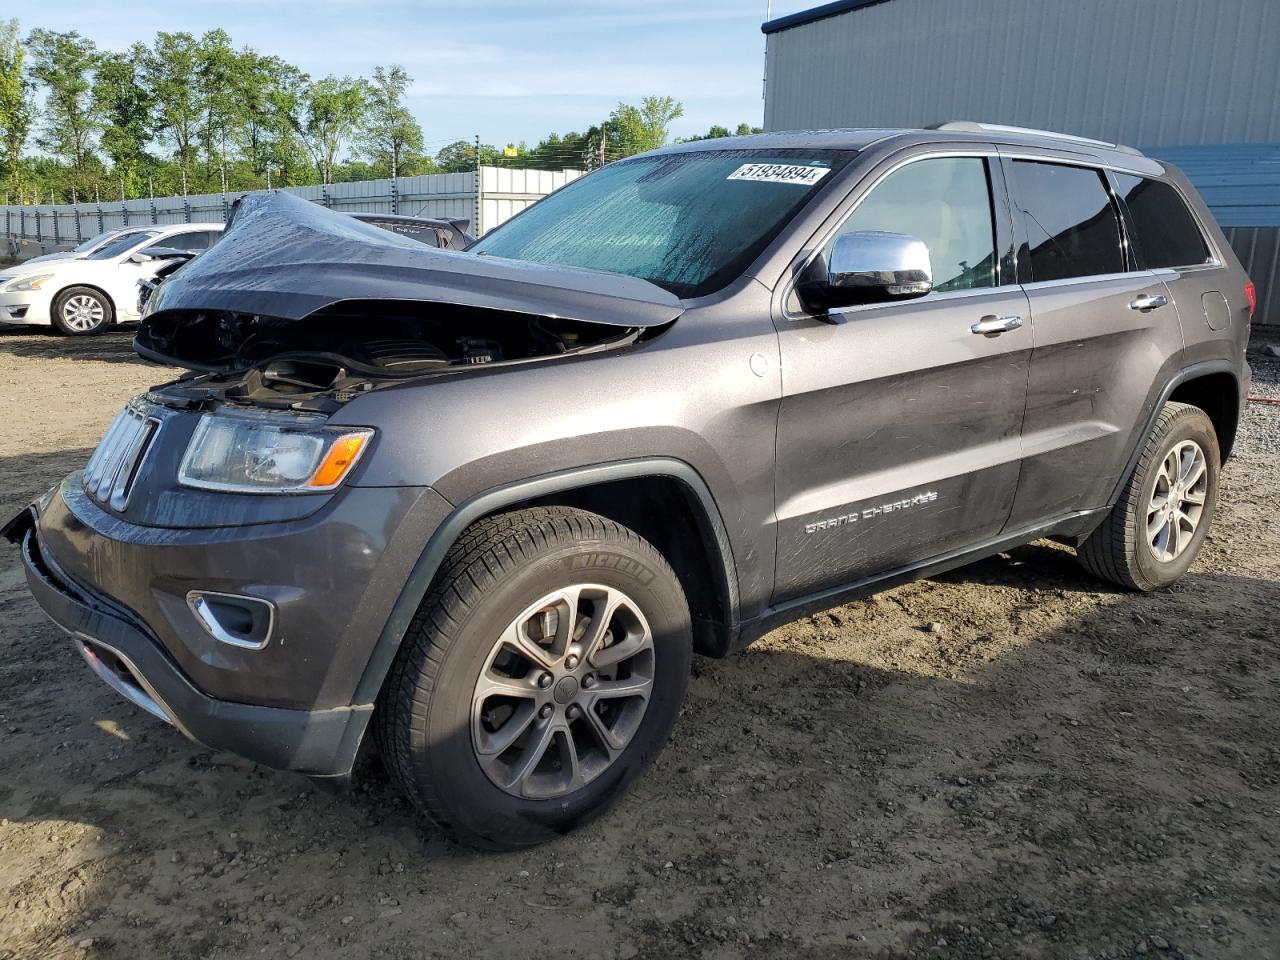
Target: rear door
column 898, row 432
column 1104, row 330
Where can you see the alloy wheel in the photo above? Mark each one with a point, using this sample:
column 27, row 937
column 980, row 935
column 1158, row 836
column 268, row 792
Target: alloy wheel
column 1177, row 501
column 562, row 692
column 82, row 312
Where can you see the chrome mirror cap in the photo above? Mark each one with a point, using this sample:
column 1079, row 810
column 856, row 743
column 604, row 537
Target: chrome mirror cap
column 870, row 266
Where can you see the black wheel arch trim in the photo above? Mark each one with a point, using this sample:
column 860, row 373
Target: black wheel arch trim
column 498, row 498
column 1193, row 372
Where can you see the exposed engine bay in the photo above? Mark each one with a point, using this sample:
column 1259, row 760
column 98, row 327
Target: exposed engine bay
column 299, row 306
column 354, row 346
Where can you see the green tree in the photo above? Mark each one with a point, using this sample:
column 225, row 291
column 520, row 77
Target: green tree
column 15, row 106
column 170, row 69
column 634, row 129
column 219, row 70
column 717, row 131
column 334, row 110
column 122, row 107
column 392, row 139
column 64, row 64
column 286, row 151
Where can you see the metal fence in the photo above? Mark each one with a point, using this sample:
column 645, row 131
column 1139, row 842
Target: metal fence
column 486, row 198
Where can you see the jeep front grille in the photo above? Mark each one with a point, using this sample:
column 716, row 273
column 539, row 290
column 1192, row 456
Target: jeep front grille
column 111, row 471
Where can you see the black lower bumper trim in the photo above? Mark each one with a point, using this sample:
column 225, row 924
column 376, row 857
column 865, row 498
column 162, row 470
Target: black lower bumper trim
column 319, row 743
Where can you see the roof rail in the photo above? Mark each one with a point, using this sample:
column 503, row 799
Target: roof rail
column 974, row 126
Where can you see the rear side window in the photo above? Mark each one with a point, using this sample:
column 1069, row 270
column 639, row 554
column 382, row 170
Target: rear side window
column 946, row 202
column 193, row 242
column 1167, row 234
column 1071, row 223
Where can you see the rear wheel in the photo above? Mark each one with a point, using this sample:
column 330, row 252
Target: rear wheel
column 81, row 311
column 542, row 674
column 1153, row 533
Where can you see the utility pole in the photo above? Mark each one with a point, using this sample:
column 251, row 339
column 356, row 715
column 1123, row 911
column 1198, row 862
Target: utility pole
column 479, row 191
column 764, row 77
column 268, row 176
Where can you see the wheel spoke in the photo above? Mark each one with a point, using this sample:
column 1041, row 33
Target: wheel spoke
column 620, row 650
column 614, row 689
column 569, row 761
column 495, row 685
column 604, row 736
column 1195, row 470
column 534, row 751
column 499, row 741
column 601, row 617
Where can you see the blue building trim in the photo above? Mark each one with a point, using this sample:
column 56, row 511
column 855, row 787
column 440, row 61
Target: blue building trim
column 1240, row 182
column 815, row 14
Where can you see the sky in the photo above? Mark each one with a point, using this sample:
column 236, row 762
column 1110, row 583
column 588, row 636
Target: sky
column 508, row 71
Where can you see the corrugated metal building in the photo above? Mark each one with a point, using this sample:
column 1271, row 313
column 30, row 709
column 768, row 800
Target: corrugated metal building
column 1195, row 83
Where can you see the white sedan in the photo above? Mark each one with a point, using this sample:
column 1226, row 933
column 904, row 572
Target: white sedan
column 85, row 295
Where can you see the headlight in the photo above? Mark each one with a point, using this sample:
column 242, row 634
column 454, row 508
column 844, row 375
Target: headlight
column 267, row 453
column 23, row 283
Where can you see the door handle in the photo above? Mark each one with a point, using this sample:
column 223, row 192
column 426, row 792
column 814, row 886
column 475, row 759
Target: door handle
column 994, row 326
column 1148, row 301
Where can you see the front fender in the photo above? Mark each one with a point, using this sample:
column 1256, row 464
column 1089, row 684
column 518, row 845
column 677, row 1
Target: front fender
column 496, row 499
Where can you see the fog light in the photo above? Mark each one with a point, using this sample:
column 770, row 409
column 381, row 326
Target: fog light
column 230, row 618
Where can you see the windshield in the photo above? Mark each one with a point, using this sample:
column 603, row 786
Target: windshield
column 689, row 222
column 121, row 244
column 92, row 242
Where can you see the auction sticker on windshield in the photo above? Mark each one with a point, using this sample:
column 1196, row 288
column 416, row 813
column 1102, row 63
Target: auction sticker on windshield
column 779, row 173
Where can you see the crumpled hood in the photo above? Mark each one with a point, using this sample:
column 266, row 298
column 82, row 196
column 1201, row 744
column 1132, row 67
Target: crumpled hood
column 286, row 258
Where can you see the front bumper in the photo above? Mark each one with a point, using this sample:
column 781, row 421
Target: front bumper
column 27, row 307
column 291, row 705
column 123, row 654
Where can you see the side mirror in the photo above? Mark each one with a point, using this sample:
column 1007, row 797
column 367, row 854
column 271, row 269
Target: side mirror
column 868, row 267
column 141, row 257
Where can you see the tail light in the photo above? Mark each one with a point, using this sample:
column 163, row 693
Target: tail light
column 1251, row 295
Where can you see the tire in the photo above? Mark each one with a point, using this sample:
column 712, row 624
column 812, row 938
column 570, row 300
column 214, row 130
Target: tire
column 82, row 312
column 436, row 732
column 1122, row 549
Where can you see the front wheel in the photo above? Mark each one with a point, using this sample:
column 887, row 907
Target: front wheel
column 541, row 676
column 81, row 311
column 1153, row 533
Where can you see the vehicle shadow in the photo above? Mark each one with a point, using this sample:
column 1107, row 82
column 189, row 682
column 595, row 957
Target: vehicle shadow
column 42, row 343
column 1074, row 771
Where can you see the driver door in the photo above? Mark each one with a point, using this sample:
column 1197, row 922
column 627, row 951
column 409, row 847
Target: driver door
column 899, row 427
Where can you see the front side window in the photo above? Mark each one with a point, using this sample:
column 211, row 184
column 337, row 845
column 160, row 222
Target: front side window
column 1071, row 223
column 945, row 202
column 92, row 242
column 1166, row 233
column 688, row 222
column 121, row 245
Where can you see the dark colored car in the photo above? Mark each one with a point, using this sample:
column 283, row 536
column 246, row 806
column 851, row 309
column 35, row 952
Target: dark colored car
column 445, row 234
column 480, row 508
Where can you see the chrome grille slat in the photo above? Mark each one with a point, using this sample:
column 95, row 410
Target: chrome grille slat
column 94, row 468
column 109, row 475
column 129, row 465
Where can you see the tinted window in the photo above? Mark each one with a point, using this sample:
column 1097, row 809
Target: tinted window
column 1166, row 233
column 946, row 203
column 193, row 242
column 121, row 245
column 689, row 222
column 1072, row 225
column 423, row 233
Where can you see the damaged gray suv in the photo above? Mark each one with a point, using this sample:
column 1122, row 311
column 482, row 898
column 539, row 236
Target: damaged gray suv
column 477, row 510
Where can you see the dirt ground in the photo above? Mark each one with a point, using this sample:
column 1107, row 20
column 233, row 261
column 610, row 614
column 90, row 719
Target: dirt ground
column 1009, row 761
